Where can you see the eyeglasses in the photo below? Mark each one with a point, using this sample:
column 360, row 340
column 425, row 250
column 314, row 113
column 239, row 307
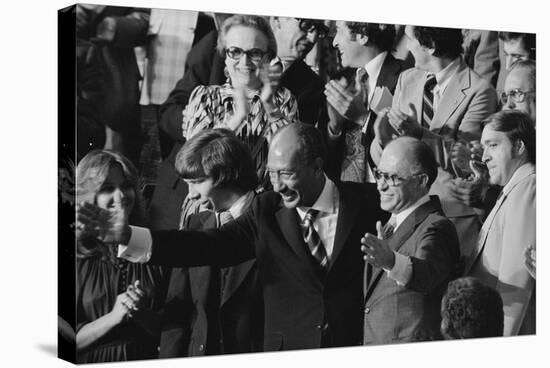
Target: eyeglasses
column 517, row 95
column 391, row 179
column 312, row 25
column 236, row 53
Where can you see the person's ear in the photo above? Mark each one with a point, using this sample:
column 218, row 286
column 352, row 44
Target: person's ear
column 520, row 147
column 362, row 40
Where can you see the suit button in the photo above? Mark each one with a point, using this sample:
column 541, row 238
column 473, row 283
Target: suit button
column 367, row 310
column 201, row 347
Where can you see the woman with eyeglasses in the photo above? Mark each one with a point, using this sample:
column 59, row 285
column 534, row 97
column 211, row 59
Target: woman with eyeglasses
column 250, row 103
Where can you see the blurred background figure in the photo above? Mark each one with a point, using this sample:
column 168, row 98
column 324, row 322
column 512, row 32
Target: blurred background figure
column 481, row 53
column 513, row 47
column 470, row 309
column 520, row 89
column 117, row 301
column 116, row 31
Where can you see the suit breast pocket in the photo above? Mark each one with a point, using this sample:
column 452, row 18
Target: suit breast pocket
column 273, row 342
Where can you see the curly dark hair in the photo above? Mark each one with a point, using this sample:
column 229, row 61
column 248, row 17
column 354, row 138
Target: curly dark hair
column 471, row 309
column 380, row 34
column 447, row 42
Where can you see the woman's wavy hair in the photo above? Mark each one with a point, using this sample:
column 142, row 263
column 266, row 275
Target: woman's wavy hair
column 470, row 309
column 252, row 21
column 91, row 173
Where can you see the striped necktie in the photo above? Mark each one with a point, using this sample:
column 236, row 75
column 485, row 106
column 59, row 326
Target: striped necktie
column 428, row 101
column 312, row 239
column 389, row 228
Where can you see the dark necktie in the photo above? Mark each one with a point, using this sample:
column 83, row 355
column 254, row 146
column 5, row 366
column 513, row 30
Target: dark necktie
column 363, row 79
column 389, row 228
column 312, row 239
column 225, row 217
column 428, row 101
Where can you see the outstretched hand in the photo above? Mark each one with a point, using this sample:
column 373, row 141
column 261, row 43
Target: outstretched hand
column 109, row 226
column 376, row 249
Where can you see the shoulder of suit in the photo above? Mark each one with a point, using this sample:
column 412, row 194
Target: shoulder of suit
column 412, row 74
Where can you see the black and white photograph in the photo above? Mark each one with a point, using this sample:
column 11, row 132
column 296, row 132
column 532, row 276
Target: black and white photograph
column 247, row 185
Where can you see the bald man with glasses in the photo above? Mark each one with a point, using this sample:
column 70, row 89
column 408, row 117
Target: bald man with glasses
column 413, row 256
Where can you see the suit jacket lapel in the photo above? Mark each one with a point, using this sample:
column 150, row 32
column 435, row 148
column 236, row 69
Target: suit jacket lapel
column 289, row 220
column 347, row 217
column 235, row 278
column 452, row 97
column 402, row 234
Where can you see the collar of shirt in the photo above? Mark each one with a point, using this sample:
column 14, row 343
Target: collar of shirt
column 241, row 205
column 401, row 216
column 444, row 76
column 327, row 203
column 373, row 68
column 519, row 174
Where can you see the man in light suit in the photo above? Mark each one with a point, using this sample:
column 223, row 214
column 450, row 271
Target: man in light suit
column 411, row 259
column 440, row 101
column 498, row 260
column 304, row 235
column 351, row 110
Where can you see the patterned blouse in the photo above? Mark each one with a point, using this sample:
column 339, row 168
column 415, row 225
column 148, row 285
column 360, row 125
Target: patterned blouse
column 212, row 107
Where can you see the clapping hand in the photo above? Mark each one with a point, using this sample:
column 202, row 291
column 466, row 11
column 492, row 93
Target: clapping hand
column 242, row 108
column 270, row 74
column 376, row 249
column 349, row 103
column 109, row 226
column 471, row 191
column 403, row 124
column 128, row 302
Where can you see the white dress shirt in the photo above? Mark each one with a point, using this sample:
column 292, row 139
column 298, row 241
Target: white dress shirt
column 443, row 77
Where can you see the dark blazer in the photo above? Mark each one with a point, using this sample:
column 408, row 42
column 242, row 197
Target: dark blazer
column 411, row 312
column 301, row 309
column 205, row 67
column 342, row 149
column 214, row 320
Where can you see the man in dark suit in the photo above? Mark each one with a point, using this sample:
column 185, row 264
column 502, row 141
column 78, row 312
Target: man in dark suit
column 205, row 66
column 413, row 257
column 304, row 235
column 353, row 106
column 211, row 310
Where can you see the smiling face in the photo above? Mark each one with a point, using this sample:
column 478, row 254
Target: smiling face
column 116, row 192
column 500, row 155
column 396, row 160
column 244, row 72
column 349, row 46
column 203, row 190
column 292, row 42
column 298, row 184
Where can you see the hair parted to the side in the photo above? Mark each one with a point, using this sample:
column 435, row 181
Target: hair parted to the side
column 518, row 126
column 218, row 154
column 380, row 35
column 91, row 173
column 530, row 66
column 447, row 42
column 253, row 21
column 470, row 309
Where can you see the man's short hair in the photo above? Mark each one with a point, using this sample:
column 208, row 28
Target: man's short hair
column 380, row 35
column 530, row 66
column 220, row 155
column 528, row 40
column 471, row 309
column 518, row 126
column 447, row 42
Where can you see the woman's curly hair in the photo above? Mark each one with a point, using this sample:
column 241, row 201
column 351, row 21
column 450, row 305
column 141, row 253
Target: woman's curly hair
column 471, row 309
